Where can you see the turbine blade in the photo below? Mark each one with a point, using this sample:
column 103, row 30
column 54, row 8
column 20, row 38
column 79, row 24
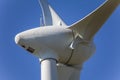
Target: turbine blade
column 50, row 17
column 87, row 27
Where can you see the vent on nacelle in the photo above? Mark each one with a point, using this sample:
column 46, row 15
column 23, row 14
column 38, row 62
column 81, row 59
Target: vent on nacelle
column 23, row 46
column 30, row 49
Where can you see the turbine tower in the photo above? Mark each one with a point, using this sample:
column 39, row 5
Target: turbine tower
column 63, row 49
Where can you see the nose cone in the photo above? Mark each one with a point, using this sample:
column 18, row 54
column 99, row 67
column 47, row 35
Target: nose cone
column 17, row 39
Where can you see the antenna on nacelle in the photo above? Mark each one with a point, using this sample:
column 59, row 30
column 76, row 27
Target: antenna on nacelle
column 41, row 21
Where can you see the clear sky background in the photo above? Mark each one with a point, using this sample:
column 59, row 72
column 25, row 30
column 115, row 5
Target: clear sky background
column 20, row 15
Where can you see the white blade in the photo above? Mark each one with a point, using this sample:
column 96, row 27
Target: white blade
column 50, row 17
column 88, row 26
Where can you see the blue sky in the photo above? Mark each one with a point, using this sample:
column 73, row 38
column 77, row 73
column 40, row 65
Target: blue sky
column 20, row 15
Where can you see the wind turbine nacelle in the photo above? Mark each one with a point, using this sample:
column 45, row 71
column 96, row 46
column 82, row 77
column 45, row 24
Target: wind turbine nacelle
column 53, row 42
column 42, row 39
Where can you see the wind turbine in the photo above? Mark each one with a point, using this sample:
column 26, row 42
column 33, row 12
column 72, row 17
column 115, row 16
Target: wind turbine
column 63, row 49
